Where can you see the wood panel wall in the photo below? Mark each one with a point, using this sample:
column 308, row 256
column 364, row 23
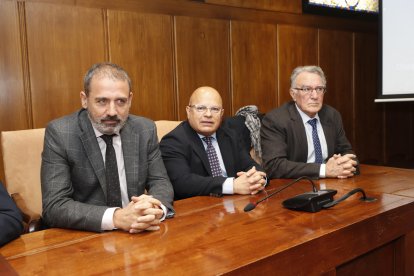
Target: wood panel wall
column 202, row 51
column 245, row 49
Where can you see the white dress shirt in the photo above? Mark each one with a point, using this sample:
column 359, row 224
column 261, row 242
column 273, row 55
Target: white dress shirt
column 108, row 217
column 228, row 183
column 322, row 140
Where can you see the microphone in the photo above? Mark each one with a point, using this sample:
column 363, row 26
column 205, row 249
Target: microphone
column 250, row 206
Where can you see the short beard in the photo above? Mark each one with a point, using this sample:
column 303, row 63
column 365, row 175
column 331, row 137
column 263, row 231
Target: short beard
column 101, row 127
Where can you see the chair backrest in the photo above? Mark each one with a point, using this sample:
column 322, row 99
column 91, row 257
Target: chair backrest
column 163, row 127
column 22, row 151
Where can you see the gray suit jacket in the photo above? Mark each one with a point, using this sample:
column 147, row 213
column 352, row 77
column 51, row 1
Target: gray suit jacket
column 284, row 143
column 73, row 170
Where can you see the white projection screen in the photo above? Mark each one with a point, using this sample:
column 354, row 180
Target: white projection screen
column 397, row 47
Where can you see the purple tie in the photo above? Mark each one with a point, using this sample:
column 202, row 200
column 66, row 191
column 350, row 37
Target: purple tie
column 212, row 157
column 316, row 143
column 113, row 188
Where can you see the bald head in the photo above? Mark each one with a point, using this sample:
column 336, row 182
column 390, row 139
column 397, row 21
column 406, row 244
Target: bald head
column 205, row 110
column 205, row 93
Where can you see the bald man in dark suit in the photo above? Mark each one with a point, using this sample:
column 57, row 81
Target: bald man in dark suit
column 185, row 153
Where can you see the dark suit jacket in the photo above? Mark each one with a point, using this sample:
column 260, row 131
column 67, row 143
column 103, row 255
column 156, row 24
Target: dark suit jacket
column 73, row 170
column 187, row 163
column 284, row 143
column 237, row 123
column 11, row 225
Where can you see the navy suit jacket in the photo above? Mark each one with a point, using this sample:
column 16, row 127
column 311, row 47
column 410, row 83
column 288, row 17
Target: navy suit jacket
column 187, row 163
column 11, row 225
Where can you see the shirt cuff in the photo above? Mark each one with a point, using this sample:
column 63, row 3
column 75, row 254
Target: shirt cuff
column 322, row 171
column 267, row 181
column 108, row 219
column 165, row 210
column 228, row 186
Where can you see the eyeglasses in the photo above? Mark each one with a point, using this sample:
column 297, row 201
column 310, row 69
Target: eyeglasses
column 203, row 108
column 307, row 89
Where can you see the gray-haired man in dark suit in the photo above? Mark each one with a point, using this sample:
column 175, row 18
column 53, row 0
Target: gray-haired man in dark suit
column 305, row 137
column 80, row 189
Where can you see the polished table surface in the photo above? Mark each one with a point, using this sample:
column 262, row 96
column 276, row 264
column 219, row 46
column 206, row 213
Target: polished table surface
column 5, row 268
column 210, row 236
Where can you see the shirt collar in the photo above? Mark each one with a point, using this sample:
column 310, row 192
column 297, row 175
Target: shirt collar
column 202, row 136
column 304, row 116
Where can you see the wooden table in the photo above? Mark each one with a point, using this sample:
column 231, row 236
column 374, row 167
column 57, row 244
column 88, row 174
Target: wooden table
column 212, row 236
column 5, row 268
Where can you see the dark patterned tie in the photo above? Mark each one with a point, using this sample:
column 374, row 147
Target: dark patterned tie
column 113, row 187
column 212, row 157
column 316, row 142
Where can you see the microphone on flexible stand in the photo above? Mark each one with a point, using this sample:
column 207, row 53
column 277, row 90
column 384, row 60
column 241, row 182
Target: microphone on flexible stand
column 253, row 205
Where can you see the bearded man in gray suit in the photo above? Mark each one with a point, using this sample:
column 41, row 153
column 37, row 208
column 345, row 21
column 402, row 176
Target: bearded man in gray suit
column 78, row 190
column 305, row 137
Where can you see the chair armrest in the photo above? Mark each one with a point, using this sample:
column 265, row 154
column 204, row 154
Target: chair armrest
column 32, row 221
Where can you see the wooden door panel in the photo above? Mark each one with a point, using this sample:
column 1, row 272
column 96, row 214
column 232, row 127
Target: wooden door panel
column 254, row 60
column 202, row 58
column 142, row 45
column 13, row 109
column 63, row 43
column 298, row 46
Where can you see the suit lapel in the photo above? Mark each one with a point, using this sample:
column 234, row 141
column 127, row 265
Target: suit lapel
column 197, row 146
column 225, row 145
column 93, row 152
column 328, row 130
column 130, row 150
column 299, row 133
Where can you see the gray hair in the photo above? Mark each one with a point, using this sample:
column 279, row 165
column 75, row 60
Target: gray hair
column 310, row 69
column 105, row 69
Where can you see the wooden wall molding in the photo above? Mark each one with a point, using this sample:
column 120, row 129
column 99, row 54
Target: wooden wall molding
column 25, row 64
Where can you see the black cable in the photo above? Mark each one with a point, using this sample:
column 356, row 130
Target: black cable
column 363, row 198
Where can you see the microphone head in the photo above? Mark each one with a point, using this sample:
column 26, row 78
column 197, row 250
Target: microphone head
column 250, row 207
